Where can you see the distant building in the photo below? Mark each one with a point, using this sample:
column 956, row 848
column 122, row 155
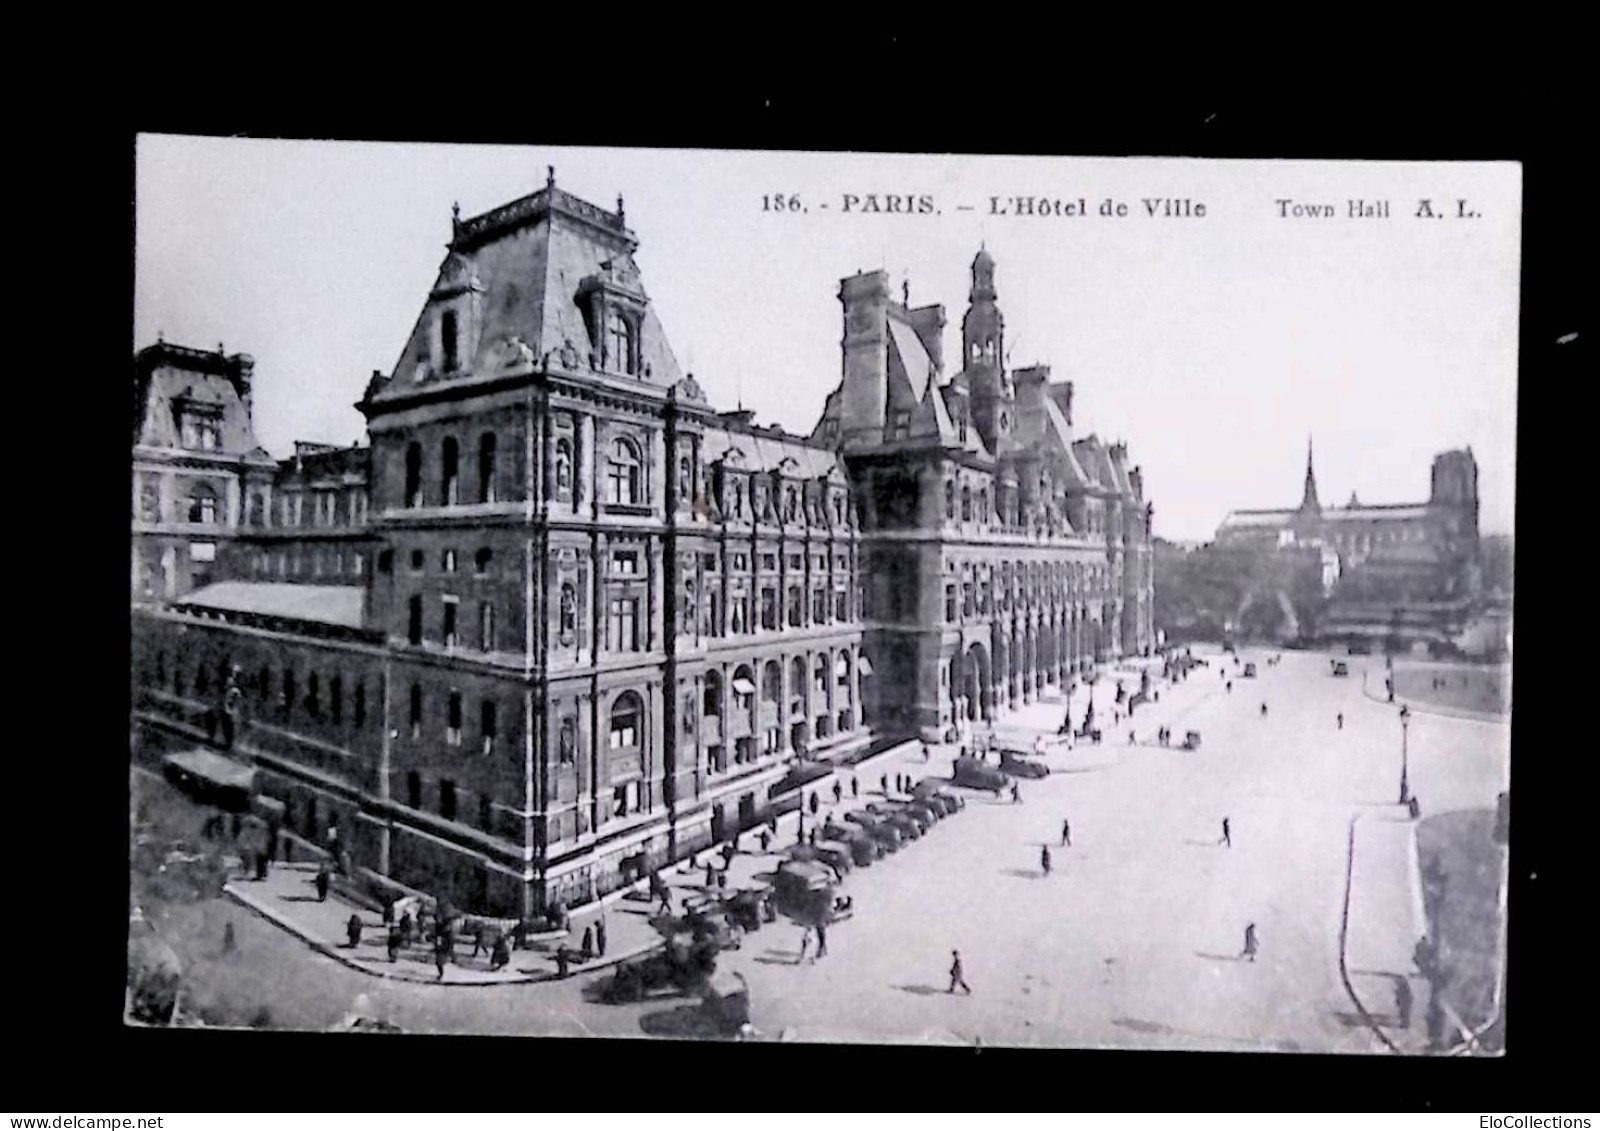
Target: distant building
column 1408, row 572
column 199, row 473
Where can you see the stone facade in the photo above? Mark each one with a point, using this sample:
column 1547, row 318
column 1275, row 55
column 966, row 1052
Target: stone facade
column 1006, row 554
column 560, row 622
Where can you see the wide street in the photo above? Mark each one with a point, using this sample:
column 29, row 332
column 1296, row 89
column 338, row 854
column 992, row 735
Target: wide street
column 1133, row 940
column 1135, row 936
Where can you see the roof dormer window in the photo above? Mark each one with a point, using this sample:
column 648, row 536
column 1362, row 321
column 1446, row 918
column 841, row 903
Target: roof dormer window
column 623, row 353
column 202, row 430
column 449, row 341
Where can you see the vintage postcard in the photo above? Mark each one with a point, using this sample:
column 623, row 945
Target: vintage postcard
column 761, row 596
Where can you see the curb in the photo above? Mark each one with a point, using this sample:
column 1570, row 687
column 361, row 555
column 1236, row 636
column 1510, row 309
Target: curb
column 1344, row 936
column 1430, row 709
column 337, row 955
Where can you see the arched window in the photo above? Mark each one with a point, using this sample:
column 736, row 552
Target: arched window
column 627, row 722
column 819, row 676
column 690, row 608
column 796, row 606
column 450, row 472
column 622, row 473
column 744, row 688
column 486, row 458
column 203, row 504
column 966, row 504
column 797, row 678
column 771, row 682
column 711, row 698
column 413, row 475
column 983, row 505
column 563, row 469
column 949, row 499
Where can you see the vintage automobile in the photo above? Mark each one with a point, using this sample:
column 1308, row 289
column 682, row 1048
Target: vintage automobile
column 838, row 858
column 862, row 848
column 807, row 854
column 1340, row 668
column 746, row 909
column 1191, row 741
column 897, row 820
column 1017, row 766
column 974, row 774
column 804, row 890
column 899, row 811
column 1249, row 671
column 881, row 831
column 928, row 812
column 927, row 792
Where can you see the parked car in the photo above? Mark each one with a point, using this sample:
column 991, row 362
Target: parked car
column 862, row 848
column 1019, row 767
column 974, row 774
column 839, row 859
column 1191, row 741
column 932, row 794
column 1249, row 671
column 880, row 831
column 901, row 812
column 806, row 854
column 894, row 818
column 803, row 889
column 1340, row 668
column 929, row 812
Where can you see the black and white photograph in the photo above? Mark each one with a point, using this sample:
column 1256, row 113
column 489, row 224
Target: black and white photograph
column 821, row 597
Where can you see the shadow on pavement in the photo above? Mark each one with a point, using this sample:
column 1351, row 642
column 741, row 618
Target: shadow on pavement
column 1219, row 957
column 920, row 990
column 682, row 1021
column 1201, row 843
column 1023, row 873
column 301, row 899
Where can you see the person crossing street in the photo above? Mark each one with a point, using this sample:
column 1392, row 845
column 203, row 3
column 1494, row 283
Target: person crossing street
column 1251, row 942
column 956, row 974
column 1066, row 833
column 1227, row 834
column 1044, row 859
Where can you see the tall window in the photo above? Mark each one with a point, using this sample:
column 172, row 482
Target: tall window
column 711, row 702
column 622, row 473
column 489, row 724
column 567, row 745
column 414, row 790
column 447, row 799
column 486, row 454
column 486, row 627
column 569, row 613
column 451, row 606
column 336, row 699
column 200, row 432
column 416, row 711
column 771, row 682
column 450, row 473
column 448, row 340
column 796, row 606
column 797, row 682
column 413, row 475
column 950, row 604
column 769, row 608
column 622, row 352
column 625, row 624
column 627, row 720
column 359, row 706
column 414, row 620
column 452, row 733
column 203, row 504
column 966, row 504
column 949, row 500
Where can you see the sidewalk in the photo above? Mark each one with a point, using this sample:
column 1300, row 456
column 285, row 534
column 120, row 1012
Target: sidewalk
column 1386, row 919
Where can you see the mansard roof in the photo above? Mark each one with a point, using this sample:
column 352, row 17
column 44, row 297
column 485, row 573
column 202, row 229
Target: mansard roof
column 767, row 450
column 528, row 268
column 170, row 378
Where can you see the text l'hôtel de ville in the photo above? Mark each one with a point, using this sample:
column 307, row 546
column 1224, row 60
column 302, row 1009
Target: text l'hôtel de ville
column 926, row 204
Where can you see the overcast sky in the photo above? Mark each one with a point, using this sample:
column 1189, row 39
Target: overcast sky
column 1213, row 345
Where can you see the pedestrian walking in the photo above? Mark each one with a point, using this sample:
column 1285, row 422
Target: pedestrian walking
column 519, row 935
column 1403, row 1001
column 1263, row 710
column 563, row 960
column 322, row 885
column 352, row 931
column 1131, row 741
column 822, row 940
column 587, row 950
column 956, row 978
column 765, row 840
column 1229, row 687
column 393, row 945
column 407, row 927
column 1066, row 834
column 440, row 954
column 838, row 792
column 855, row 787
column 261, row 865
column 1016, row 794
column 926, row 753
column 805, row 945
column 1340, row 717
column 711, row 876
column 1044, row 859
column 501, row 955
column 600, row 937
column 1251, row 943
column 1227, row 834
column 388, row 913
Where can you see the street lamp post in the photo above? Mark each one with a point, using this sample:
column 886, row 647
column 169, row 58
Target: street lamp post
column 1405, row 727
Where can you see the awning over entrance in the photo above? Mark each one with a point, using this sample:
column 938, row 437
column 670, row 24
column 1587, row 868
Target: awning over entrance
column 211, row 769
